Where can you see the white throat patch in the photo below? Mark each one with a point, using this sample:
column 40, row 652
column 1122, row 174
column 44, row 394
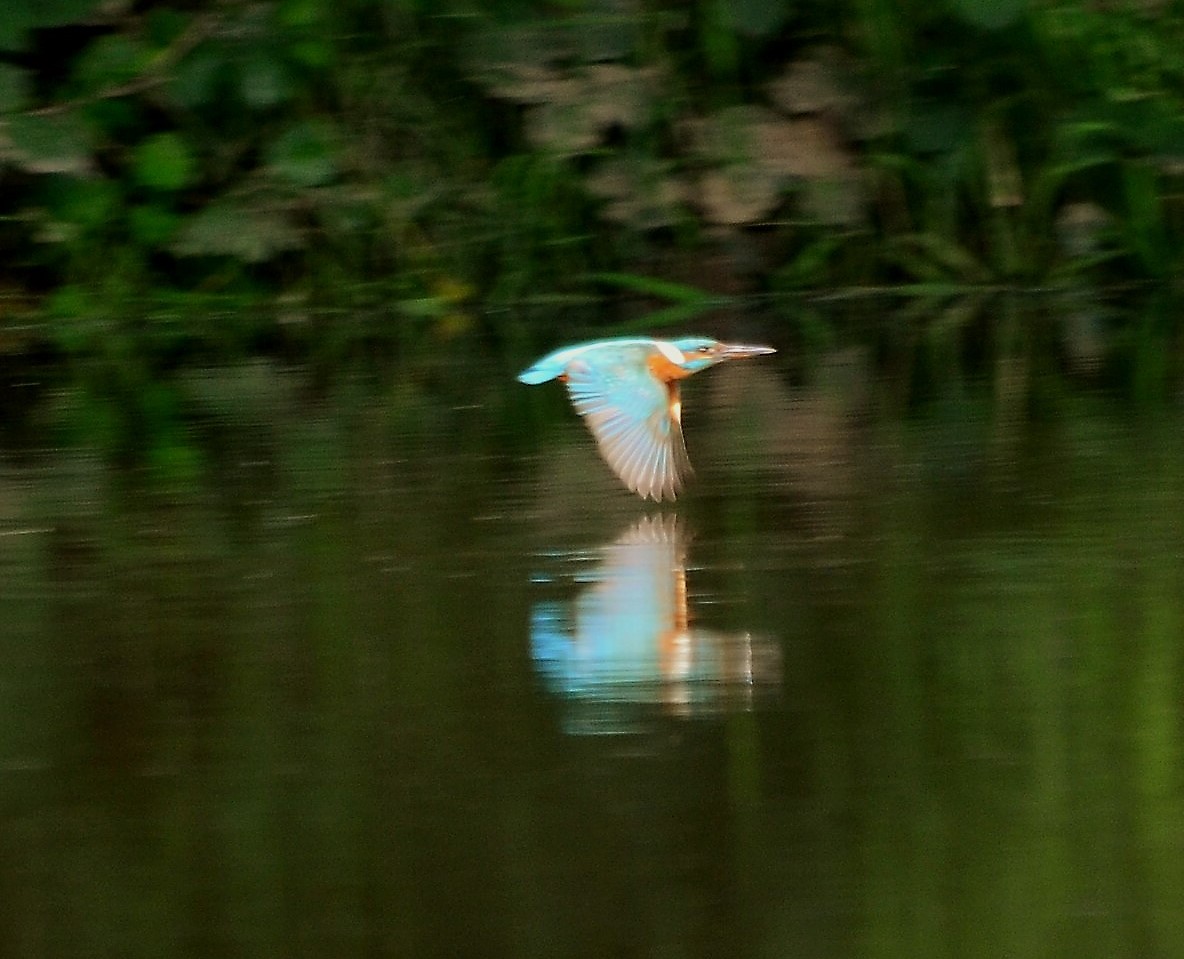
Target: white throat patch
column 672, row 353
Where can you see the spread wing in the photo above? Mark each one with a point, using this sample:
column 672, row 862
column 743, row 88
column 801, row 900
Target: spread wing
column 635, row 418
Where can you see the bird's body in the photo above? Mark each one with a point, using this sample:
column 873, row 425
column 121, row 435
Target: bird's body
column 627, row 390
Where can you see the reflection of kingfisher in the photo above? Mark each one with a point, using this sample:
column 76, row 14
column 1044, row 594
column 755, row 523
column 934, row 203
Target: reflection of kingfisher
column 626, row 640
column 627, row 391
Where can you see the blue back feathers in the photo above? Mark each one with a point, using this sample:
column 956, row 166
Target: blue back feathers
column 699, row 352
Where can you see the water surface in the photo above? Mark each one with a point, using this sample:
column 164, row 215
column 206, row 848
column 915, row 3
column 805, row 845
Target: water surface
column 369, row 671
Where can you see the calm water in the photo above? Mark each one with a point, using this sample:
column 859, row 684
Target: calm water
column 368, row 674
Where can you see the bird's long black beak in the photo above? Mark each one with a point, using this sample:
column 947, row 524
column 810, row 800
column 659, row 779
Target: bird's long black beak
column 739, row 351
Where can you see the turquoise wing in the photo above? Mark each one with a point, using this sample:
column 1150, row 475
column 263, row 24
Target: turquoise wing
column 635, row 417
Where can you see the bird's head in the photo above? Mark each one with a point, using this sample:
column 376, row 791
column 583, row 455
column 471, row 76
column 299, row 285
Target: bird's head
column 700, row 352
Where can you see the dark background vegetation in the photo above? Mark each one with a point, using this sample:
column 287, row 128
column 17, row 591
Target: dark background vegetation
column 212, row 179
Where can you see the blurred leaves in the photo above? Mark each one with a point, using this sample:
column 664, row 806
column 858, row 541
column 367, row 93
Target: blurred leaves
column 163, row 162
column 639, row 191
column 14, row 88
column 200, row 77
column 228, row 228
column 758, row 155
column 264, row 82
column 111, row 60
column 757, row 18
column 572, row 111
column 307, row 147
column 304, row 155
column 21, row 17
column 152, row 226
column 86, row 202
column 990, row 14
column 57, row 143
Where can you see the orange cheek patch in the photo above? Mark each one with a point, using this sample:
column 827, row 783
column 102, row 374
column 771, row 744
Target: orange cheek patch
column 664, row 370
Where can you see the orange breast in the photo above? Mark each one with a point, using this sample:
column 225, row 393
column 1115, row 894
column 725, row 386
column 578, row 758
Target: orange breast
column 663, row 369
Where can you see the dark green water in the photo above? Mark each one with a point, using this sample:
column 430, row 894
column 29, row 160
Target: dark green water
column 369, row 675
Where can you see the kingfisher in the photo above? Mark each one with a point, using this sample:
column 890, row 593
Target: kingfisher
column 627, row 391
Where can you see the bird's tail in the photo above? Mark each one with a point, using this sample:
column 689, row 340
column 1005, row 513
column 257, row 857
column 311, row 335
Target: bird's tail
column 540, row 372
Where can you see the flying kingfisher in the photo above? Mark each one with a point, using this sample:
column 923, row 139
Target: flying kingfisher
column 627, row 390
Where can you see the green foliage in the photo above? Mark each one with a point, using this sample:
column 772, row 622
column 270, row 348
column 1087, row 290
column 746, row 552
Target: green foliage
column 163, row 162
column 512, row 150
column 757, row 18
column 21, row 17
column 304, row 155
column 990, row 14
column 14, row 91
column 54, row 143
column 241, row 231
column 538, row 215
column 685, row 302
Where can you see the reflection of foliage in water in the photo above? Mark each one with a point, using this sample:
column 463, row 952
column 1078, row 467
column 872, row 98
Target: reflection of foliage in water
column 324, row 635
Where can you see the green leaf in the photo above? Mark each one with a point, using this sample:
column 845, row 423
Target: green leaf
column 151, row 225
column 302, row 13
column 312, row 52
column 163, row 26
column 14, row 27
column 651, row 286
column 757, row 18
column 264, row 82
column 933, row 127
column 1146, row 232
column 174, row 462
column 602, row 33
column 57, row 143
column 227, row 229
column 86, row 201
column 199, row 77
column 120, row 119
column 22, row 16
column 70, row 301
column 716, row 38
column 674, row 315
column 14, row 88
column 111, row 61
column 938, row 258
column 304, row 155
column 423, row 307
column 810, row 266
column 57, row 13
column 163, row 162
column 990, row 14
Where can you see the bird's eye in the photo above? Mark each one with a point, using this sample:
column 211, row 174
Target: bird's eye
column 705, row 349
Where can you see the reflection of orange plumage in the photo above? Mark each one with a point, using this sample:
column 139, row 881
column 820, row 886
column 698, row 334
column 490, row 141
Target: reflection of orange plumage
column 674, row 643
column 627, row 390
column 627, row 636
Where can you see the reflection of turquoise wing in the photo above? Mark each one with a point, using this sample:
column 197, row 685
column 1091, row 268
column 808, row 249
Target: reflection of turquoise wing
column 633, row 415
column 625, row 642
column 626, row 620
